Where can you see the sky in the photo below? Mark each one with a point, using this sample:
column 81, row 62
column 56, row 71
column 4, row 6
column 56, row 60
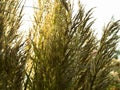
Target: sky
column 103, row 12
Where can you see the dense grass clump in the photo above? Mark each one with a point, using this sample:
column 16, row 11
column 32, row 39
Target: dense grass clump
column 12, row 54
column 66, row 54
column 61, row 51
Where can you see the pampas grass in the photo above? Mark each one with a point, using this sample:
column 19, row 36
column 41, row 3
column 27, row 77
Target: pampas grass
column 63, row 48
column 61, row 51
column 12, row 53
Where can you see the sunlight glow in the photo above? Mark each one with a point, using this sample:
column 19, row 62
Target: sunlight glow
column 103, row 12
